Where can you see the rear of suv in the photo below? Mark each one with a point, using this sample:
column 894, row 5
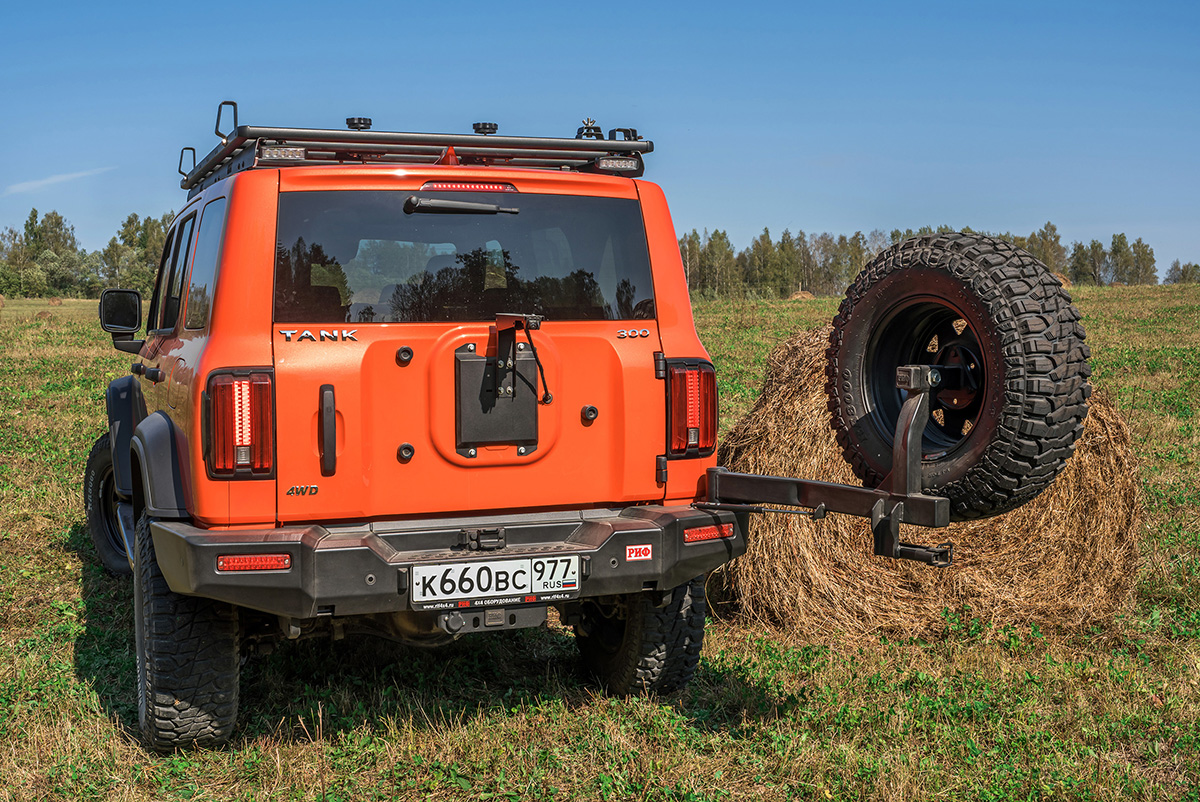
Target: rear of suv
column 415, row 385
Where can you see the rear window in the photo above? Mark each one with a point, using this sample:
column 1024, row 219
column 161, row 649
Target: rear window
column 357, row 257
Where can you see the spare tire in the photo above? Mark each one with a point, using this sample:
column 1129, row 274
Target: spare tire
column 961, row 299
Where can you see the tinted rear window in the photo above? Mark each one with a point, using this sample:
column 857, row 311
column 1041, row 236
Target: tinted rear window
column 357, row 257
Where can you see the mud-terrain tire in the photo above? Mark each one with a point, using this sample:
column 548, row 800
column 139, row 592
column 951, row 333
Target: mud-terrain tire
column 634, row 645
column 995, row 310
column 100, row 500
column 187, row 659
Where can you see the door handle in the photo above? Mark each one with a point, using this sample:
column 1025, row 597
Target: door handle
column 327, row 431
column 155, row 374
column 137, row 369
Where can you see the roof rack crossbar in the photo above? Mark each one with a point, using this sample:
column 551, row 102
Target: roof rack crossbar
column 389, row 146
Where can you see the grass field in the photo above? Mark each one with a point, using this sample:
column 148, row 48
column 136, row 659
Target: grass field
column 968, row 714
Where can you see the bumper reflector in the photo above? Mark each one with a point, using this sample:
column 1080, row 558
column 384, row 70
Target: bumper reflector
column 697, row 534
column 254, row 562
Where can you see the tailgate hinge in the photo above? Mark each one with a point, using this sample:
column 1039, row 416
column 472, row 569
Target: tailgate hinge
column 660, row 472
column 660, row 365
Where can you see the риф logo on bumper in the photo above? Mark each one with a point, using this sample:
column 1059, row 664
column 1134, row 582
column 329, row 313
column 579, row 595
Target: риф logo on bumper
column 633, row 553
column 346, row 334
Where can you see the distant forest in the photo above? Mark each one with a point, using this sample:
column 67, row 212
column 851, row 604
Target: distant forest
column 43, row 258
column 825, row 264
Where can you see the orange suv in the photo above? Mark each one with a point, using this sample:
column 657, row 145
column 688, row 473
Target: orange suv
column 416, row 385
column 425, row 385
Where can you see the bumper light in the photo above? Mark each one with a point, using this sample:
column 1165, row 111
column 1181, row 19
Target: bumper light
column 696, row 534
column 254, row 562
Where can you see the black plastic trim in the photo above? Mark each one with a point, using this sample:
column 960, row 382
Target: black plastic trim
column 156, row 446
column 126, row 409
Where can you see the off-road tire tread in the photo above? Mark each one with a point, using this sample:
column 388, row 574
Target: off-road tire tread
column 661, row 647
column 98, row 460
column 189, row 660
column 1046, row 362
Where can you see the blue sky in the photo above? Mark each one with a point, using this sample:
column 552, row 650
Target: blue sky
column 815, row 117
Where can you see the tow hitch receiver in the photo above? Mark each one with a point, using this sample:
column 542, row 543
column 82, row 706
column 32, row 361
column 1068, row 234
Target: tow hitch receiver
column 898, row 499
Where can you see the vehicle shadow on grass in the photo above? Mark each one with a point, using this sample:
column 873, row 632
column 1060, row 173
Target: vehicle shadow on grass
column 104, row 656
column 320, row 688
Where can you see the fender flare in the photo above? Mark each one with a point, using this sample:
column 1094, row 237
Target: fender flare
column 155, row 446
column 126, row 409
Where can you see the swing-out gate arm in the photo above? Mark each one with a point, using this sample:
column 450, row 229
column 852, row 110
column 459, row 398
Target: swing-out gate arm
column 898, row 499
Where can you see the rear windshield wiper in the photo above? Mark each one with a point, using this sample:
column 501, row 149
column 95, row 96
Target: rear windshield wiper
column 440, row 206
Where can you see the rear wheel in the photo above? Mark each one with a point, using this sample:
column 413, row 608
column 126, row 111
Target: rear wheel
column 995, row 314
column 100, row 499
column 635, row 644
column 187, row 659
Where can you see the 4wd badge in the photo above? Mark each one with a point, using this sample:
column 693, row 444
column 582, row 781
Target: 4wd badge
column 302, row 490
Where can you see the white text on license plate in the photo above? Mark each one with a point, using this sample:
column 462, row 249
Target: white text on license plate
column 482, row 580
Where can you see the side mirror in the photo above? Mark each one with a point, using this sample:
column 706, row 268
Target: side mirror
column 121, row 316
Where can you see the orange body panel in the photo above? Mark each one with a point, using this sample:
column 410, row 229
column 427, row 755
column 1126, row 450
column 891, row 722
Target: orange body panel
column 381, row 404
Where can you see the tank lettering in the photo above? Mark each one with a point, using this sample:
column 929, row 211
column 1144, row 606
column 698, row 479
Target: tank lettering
column 336, row 335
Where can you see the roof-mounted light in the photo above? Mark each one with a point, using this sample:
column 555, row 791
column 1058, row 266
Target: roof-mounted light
column 282, row 153
column 627, row 165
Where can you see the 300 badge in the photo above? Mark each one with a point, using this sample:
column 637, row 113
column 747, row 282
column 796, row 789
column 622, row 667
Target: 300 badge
column 627, row 333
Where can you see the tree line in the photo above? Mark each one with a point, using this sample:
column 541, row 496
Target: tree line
column 825, row 264
column 44, row 258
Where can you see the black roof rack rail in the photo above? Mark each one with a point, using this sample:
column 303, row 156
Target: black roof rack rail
column 248, row 146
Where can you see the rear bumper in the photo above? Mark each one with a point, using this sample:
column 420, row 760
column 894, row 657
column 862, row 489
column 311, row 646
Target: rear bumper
column 365, row 569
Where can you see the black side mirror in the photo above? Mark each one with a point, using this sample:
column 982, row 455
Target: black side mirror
column 121, row 316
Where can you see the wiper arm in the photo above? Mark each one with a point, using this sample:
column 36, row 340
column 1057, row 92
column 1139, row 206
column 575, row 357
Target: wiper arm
column 440, row 206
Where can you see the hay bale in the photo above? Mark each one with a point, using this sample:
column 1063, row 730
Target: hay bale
column 1066, row 559
column 43, row 315
column 802, row 295
column 1063, row 280
column 55, row 301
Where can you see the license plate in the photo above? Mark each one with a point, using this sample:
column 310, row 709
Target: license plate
column 494, row 578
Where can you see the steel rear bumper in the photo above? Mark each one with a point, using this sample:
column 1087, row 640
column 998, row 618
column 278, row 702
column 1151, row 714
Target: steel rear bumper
column 354, row 570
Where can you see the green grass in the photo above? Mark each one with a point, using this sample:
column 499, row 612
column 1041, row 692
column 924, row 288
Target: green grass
column 969, row 714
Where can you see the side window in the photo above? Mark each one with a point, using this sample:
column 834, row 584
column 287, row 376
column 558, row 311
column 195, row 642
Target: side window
column 161, row 282
column 204, row 266
column 183, row 249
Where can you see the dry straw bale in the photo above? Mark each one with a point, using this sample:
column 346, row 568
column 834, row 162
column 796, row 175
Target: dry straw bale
column 802, row 295
column 1063, row 280
column 55, row 301
column 43, row 315
column 1066, row 559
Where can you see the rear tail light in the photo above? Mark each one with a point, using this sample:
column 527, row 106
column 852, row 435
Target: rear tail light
column 693, row 409
column 241, row 425
column 254, row 562
column 697, row 534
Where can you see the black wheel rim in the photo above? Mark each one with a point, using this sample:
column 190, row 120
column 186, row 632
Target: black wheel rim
column 927, row 331
column 108, row 500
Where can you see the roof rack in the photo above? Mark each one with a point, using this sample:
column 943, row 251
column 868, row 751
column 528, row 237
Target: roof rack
column 246, row 147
